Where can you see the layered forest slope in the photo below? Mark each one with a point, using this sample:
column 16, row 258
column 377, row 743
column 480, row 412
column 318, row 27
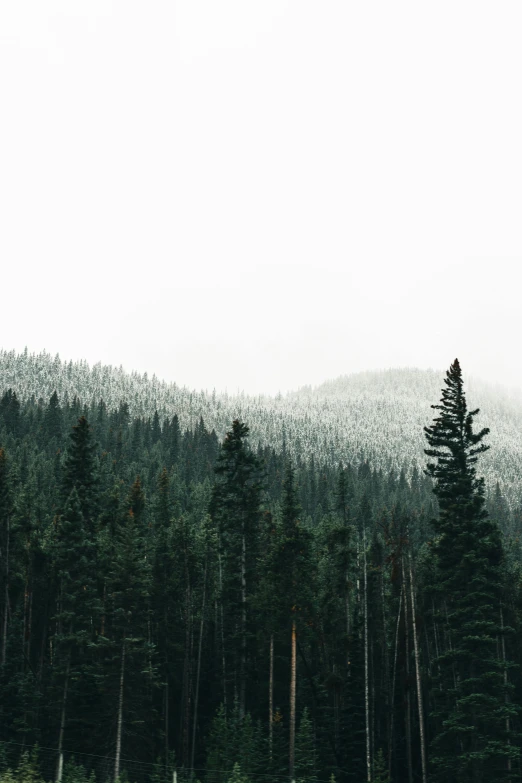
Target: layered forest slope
column 377, row 415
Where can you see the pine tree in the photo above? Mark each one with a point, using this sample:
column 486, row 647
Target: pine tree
column 235, row 509
column 472, row 741
column 380, row 772
column 53, row 419
column 77, row 611
column 294, row 575
column 10, row 412
column 5, row 547
column 156, row 428
column 237, row 776
column 81, row 471
column 128, row 671
column 305, row 753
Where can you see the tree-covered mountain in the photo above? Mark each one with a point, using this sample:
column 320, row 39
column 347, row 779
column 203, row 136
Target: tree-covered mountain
column 376, row 414
column 181, row 600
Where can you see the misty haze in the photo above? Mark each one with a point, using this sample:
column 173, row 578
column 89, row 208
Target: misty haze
column 260, row 392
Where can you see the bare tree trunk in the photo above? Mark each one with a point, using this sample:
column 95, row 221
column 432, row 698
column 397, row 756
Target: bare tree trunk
column 271, row 699
column 506, row 696
column 120, row 715
column 293, row 676
column 242, row 675
column 408, row 695
column 448, row 634
column 24, row 628
column 198, row 671
column 185, row 717
column 102, row 630
column 6, row 595
column 167, row 724
column 418, row 679
column 347, row 613
column 366, row 671
column 223, row 660
column 385, row 644
column 59, row 766
column 435, row 632
column 29, row 628
column 336, row 707
column 392, row 695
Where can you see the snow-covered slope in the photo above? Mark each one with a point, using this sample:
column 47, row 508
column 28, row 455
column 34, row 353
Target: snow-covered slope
column 379, row 415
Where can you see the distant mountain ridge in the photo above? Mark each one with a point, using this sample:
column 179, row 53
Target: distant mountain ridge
column 378, row 415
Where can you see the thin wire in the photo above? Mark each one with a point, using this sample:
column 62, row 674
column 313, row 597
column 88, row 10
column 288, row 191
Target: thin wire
column 147, row 764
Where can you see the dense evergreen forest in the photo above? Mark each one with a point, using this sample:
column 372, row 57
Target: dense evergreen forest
column 376, row 415
column 177, row 605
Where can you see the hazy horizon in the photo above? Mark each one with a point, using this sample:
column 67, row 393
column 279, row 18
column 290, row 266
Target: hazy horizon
column 262, row 195
column 468, row 378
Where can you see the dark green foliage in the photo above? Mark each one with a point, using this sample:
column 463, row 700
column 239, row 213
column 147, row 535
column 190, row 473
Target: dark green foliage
column 80, row 471
column 102, row 563
column 235, row 510
column 53, row 419
column 473, row 738
column 305, row 752
column 10, row 412
column 233, row 742
column 380, row 771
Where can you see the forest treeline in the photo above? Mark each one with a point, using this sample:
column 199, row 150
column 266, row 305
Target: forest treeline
column 377, row 416
column 176, row 607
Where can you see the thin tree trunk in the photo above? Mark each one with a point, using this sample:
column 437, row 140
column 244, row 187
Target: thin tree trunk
column 223, row 660
column 24, row 628
column 29, row 628
column 102, row 631
column 385, row 643
column 386, row 656
column 336, row 706
column 347, row 613
column 408, row 706
column 120, row 715
column 242, row 675
column 271, row 699
column 366, row 672
column 506, row 696
column 293, row 675
column 198, row 671
column 166, row 724
column 392, row 695
column 418, row 679
column 59, row 766
column 448, row 634
column 435, row 632
column 6, row 595
column 185, row 717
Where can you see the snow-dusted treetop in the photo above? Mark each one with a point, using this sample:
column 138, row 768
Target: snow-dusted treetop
column 379, row 415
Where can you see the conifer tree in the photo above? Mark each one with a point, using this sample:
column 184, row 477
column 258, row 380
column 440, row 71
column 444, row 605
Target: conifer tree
column 235, row 509
column 237, row 776
column 5, row 547
column 53, row 418
column 379, row 772
column 81, row 471
column 10, row 412
column 294, row 574
column 77, row 609
column 472, row 742
column 305, row 752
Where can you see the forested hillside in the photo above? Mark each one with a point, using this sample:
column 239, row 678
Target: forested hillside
column 373, row 415
column 177, row 602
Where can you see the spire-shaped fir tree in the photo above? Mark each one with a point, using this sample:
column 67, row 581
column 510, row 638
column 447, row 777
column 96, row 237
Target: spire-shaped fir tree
column 472, row 718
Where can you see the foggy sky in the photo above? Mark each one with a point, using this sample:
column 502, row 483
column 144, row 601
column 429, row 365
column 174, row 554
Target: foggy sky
column 262, row 194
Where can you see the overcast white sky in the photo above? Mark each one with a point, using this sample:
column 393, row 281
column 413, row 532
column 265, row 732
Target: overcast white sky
column 262, row 194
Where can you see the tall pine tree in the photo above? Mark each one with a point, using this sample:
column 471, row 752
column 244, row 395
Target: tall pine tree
column 471, row 716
